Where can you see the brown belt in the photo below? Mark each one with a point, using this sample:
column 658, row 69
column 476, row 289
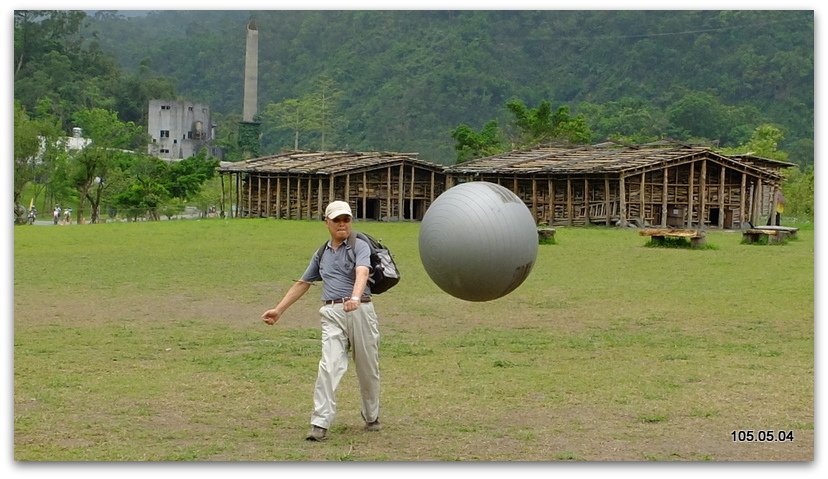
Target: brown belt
column 342, row 300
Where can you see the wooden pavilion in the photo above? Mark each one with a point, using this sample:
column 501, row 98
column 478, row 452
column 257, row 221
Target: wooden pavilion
column 299, row 184
column 660, row 184
column 664, row 184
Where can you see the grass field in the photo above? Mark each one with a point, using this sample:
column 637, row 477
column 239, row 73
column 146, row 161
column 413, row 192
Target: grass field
column 143, row 342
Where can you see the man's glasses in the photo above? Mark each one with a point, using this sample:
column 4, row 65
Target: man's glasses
column 342, row 219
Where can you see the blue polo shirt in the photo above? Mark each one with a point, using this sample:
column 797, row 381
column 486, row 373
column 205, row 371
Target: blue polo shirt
column 337, row 269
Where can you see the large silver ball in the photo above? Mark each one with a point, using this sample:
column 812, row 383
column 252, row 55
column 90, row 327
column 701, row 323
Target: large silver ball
column 478, row 241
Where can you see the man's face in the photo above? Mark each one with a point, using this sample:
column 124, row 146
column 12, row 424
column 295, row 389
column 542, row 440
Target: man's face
column 339, row 227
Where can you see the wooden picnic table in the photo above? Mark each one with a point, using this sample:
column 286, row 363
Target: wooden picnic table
column 773, row 234
column 659, row 235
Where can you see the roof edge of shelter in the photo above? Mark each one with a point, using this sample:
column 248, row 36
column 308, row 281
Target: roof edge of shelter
column 323, row 162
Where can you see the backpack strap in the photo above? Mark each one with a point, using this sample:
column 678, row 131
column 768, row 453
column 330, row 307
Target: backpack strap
column 320, row 251
column 351, row 242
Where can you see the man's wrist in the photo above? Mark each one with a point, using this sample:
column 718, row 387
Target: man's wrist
column 354, row 298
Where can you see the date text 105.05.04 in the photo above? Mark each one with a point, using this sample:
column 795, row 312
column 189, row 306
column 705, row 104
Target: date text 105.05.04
column 762, row 435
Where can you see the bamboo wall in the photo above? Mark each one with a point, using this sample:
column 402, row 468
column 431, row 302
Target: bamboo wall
column 390, row 193
column 696, row 194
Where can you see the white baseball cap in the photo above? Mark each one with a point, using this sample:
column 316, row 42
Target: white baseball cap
column 338, row 208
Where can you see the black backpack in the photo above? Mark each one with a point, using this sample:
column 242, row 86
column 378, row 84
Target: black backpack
column 384, row 272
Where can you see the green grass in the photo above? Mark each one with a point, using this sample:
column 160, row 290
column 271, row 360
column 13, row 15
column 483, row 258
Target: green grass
column 142, row 342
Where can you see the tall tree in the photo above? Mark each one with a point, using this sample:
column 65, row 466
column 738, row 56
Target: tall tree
column 27, row 141
column 296, row 115
column 326, row 97
column 110, row 137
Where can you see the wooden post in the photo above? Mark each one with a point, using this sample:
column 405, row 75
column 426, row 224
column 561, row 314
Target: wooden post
column 607, row 199
column 641, row 194
column 703, row 194
column 288, row 209
column 347, row 196
column 431, row 194
column 239, row 197
column 278, row 197
column 320, row 213
column 691, row 182
column 760, row 199
column 622, row 203
column 586, row 201
column 249, row 196
column 449, row 183
column 364, row 193
column 388, row 193
column 401, row 195
column 298, row 198
column 411, row 197
column 664, row 201
column 259, row 194
column 267, row 203
column 223, row 210
column 742, row 214
column 331, row 188
column 569, row 199
column 550, row 218
column 721, row 196
column 535, row 199
column 310, row 196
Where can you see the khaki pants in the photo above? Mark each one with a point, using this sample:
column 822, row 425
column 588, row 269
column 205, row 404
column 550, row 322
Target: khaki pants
column 341, row 331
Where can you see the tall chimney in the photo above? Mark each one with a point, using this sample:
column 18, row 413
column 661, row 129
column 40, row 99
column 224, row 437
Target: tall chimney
column 251, row 72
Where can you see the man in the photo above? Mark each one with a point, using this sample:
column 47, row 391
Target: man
column 348, row 321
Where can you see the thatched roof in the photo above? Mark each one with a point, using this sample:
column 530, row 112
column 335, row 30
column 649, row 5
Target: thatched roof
column 600, row 159
column 604, row 158
column 325, row 162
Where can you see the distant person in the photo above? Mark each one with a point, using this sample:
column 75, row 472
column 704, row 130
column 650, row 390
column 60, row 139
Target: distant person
column 779, row 208
column 348, row 321
column 56, row 214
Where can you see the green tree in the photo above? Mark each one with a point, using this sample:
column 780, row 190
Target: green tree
column 209, row 196
column 470, row 144
column 27, row 134
column 110, row 137
column 227, row 135
column 798, row 189
column 628, row 120
column 697, row 114
column 312, row 118
column 764, row 142
column 325, row 98
column 542, row 124
column 38, row 149
column 142, row 191
column 184, row 179
column 798, row 185
column 296, row 115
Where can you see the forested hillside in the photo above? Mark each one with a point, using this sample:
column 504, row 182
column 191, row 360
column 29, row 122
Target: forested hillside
column 404, row 80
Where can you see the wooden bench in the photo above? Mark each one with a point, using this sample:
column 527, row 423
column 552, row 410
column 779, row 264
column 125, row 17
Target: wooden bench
column 769, row 234
column 659, row 235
